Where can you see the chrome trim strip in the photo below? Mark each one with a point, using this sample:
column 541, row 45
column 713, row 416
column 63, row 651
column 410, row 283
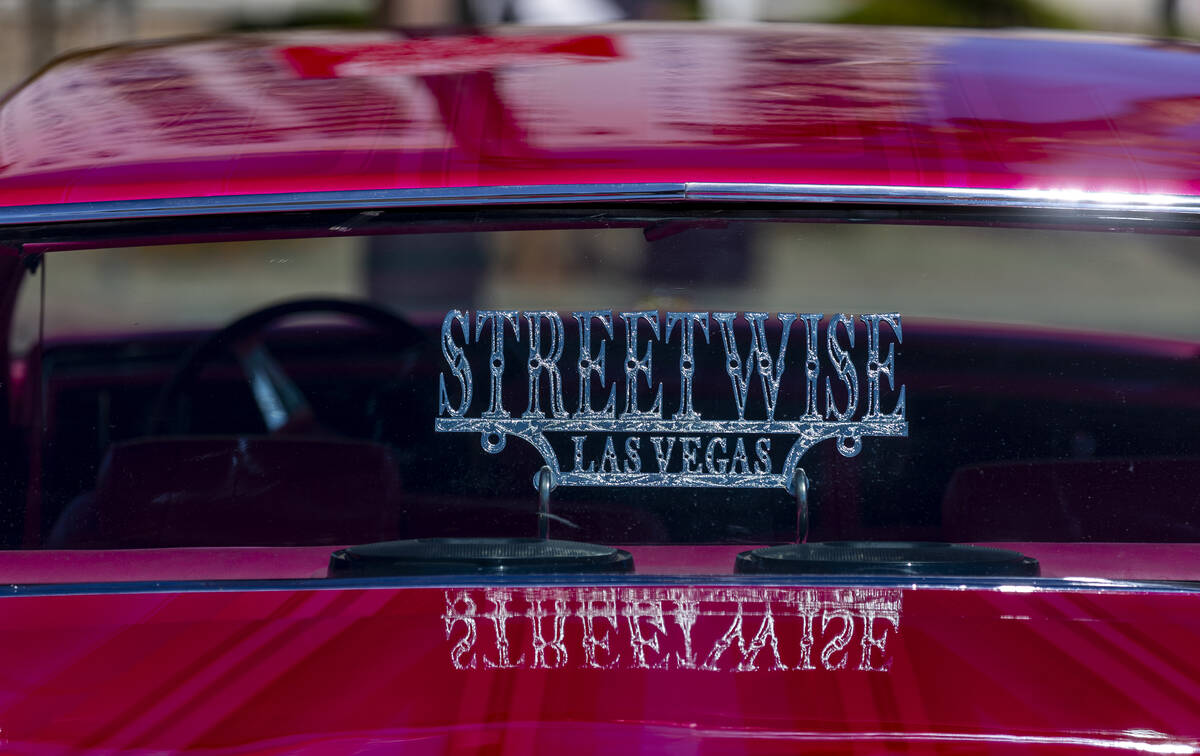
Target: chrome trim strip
column 1075, row 202
column 1040, row 199
column 347, row 200
column 1001, row 585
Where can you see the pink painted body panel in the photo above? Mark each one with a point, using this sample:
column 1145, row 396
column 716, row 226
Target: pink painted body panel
column 798, row 105
column 354, row 670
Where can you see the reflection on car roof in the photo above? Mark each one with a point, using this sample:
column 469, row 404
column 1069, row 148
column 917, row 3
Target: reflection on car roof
column 334, row 111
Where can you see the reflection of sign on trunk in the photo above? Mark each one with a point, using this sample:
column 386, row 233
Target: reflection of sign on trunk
column 634, row 434
column 712, row 629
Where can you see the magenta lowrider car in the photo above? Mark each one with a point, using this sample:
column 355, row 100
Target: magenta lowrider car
column 632, row 389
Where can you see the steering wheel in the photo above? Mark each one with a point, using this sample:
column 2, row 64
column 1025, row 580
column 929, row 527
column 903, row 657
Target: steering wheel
column 280, row 402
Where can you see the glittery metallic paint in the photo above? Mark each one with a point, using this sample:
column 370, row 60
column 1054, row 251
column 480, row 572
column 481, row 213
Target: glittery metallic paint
column 229, row 116
column 332, row 670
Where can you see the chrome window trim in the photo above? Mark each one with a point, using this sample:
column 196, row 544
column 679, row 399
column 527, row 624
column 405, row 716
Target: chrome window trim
column 343, row 200
column 1030, row 199
column 1074, row 203
column 980, row 584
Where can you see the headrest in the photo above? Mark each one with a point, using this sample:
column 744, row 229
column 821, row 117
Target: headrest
column 236, row 491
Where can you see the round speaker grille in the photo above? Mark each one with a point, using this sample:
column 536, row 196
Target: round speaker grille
column 887, row 558
column 457, row 556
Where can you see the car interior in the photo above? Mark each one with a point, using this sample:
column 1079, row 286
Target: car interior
column 307, row 418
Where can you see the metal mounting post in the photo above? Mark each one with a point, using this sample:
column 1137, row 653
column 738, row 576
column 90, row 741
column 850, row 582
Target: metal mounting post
column 800, row 487
column 545, row 482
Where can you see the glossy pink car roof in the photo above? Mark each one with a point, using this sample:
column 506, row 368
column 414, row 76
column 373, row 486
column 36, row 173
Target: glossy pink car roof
column 326, row 111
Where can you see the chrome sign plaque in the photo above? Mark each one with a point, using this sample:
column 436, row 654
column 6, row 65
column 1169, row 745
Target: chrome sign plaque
column 621, row 431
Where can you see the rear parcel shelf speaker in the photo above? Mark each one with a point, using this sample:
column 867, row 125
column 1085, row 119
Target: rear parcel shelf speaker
column 887, row 558
column 476, row 556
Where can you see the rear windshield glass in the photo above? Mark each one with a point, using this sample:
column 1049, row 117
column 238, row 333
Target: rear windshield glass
column 679, row 381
